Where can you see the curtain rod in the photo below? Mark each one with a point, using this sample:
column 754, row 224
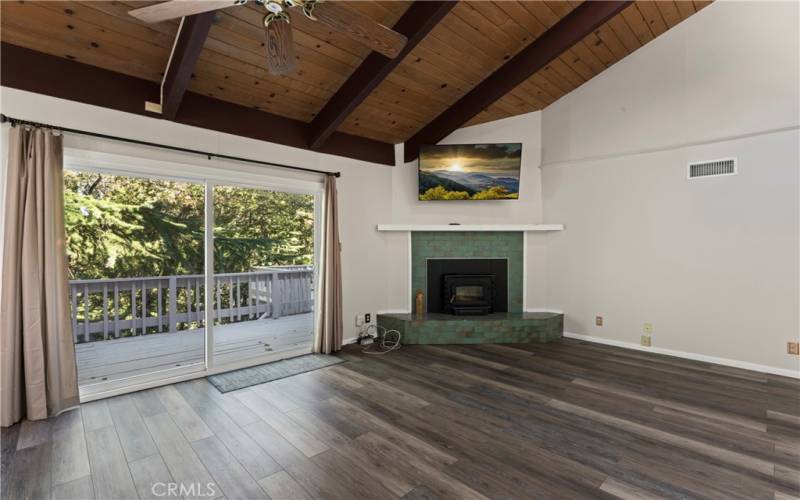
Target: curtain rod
column 16, row 121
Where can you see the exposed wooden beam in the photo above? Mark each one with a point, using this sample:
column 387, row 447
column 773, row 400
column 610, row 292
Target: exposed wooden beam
column 33, row 71
column 584, row 19
column 415, row 24
column 185, row 53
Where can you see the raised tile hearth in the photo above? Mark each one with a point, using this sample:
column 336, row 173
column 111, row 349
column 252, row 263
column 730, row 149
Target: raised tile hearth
column 496, row 328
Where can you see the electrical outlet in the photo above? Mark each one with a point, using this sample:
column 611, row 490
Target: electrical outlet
column 598, row 321
column 648, row 328
column 793, row 348
column 367, row 318
column 646, row 340
column 359, row 320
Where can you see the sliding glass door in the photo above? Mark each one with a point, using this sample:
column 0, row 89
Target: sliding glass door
column 263, row 273
column 176, row 277
column 135, row 251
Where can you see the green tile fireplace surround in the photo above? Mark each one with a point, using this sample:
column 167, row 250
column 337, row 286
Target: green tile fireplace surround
column 514, row 326
column 496, row 328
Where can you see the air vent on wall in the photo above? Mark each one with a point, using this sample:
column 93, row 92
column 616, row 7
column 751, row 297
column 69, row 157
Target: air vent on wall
column 712, row 168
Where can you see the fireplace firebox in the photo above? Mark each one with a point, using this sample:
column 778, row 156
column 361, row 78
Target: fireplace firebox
column 468, row 293
column 467, row 286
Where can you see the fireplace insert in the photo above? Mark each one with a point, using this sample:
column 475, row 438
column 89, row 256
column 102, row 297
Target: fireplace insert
column 468, row 293
column 481, row 285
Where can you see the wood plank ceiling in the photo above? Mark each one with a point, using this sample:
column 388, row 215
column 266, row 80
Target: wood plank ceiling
column 474, row 39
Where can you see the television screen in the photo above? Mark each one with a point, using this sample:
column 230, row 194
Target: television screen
column 469, row 172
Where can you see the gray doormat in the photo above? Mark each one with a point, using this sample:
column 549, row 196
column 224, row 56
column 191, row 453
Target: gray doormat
column 239, row 379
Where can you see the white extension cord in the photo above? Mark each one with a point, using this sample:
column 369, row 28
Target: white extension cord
column 387, row 340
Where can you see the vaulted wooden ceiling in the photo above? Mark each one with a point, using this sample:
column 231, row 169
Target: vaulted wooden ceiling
column 466, row 46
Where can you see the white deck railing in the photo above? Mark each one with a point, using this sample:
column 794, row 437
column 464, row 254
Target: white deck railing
column 110, row 308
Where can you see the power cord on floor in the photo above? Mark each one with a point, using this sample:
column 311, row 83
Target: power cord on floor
column 386, row 340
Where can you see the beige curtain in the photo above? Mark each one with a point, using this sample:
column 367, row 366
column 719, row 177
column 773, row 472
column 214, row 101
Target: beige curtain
column 329, row 337
column 36, row 350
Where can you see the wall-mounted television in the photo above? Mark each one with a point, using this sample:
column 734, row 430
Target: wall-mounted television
column 470, row 172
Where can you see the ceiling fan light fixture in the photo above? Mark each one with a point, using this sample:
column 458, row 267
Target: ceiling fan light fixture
column 281, row 16
column 308, row 8
column 274, row 7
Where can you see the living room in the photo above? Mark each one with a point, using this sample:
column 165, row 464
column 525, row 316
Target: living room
column 570, row 230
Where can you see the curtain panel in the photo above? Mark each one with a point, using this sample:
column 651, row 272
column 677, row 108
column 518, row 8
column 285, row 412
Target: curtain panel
column 39, row 377
column 329, row 337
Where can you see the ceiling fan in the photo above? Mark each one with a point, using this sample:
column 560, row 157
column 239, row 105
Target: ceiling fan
column 280, row 49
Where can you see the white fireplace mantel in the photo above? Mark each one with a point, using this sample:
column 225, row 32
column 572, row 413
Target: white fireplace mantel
column 471, row 227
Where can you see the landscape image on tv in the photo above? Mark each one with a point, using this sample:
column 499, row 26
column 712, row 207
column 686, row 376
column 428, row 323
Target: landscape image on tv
column 470, row 172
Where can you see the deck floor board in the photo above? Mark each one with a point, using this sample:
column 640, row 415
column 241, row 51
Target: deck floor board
column 130, row 356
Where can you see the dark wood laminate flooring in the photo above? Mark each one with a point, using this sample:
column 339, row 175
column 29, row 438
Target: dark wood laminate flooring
column 562, row 420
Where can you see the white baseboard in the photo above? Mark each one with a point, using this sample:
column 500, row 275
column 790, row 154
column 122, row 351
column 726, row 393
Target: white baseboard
column 351, row 340
column 688, row 355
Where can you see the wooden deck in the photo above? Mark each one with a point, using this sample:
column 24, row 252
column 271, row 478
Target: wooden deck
column 126, row 357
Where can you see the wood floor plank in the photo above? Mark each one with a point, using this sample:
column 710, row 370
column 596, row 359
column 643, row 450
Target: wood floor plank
column 231, row 477
column 8, row 447
column 257, row 462
column 676, row 405
column 275, row 397
column 148, row 403
column 282, row 485
column 625, row 491
column 734, row 458
column 182, row 413
column 477, row 360
column 151, row 477
column 179, row 457
column 79, row 489
column 238, row 412
column 413, row 445
column 30, row 476
column 421, row 492
column 96, row 415
column 301, row 439
column 360, row 483
column 70, row 457
column 133, row 434
column 319, row 481
column 110, row 473
column 33, row 433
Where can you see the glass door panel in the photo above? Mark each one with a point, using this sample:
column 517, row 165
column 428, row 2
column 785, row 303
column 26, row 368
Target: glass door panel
column 263, row 273
column 136, row 261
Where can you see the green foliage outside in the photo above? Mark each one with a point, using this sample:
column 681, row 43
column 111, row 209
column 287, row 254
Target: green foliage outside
column 123, row 227
column 493, row 193
column 120, row 227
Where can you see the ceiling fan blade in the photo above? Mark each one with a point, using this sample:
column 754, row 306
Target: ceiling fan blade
column 178, row 8
column 360, row 28
column 280, row 47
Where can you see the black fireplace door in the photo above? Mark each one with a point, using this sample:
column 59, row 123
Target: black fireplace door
column 468, row 293
column 438, row 295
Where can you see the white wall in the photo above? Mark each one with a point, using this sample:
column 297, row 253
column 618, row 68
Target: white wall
column 407, row 209
column 361, row 185
column 712, row 263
